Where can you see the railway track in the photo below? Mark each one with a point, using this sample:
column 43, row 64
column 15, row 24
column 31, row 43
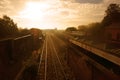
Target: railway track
column 51, row 66
column 42, row 68
column 58, row 65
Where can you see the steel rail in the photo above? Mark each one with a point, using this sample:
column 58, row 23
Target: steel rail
column 43, row 57
column 62, row 69
column 53, row 62
column 46, row 62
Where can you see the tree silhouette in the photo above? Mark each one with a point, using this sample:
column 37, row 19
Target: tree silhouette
column 24, row 31
column 112, row 14
column 7, row 27
column 70, row 29
column 82, row 28
column 94, row 30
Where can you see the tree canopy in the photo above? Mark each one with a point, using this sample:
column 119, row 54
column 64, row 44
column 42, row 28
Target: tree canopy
column 70, row 29
column 82, row 28
column 7, row 27
column 112, row 14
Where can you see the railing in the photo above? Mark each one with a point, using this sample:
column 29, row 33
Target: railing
column 99, row 52
column 13, row 52
column 102, row 60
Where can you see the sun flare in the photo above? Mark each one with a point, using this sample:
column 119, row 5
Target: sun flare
column 35, row 13
column 34, row 10
column 43, row 15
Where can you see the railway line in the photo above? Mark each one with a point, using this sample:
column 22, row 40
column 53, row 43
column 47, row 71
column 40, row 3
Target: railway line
column 51, row 67
column 51, row 61
column 43, row 62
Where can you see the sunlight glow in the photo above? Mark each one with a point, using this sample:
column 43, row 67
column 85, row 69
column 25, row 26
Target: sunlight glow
column 34, row 10
column 49, row 15
column 35, row 15
column 57, row 13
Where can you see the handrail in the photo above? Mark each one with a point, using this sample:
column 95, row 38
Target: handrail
column 22, row 37
column 5, row 39
column 99, row 52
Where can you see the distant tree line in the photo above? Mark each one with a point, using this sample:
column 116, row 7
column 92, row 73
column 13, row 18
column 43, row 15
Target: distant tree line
column 95, row 30
column 70, row 29
column 24, row 31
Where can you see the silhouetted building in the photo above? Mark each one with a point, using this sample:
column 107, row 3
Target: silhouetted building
column 112, row 34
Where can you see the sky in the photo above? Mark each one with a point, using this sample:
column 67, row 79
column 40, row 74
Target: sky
column 50, row 14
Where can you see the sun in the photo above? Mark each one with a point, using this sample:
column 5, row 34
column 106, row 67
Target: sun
column 34, row 10
column 39, row 14
column 35, row 15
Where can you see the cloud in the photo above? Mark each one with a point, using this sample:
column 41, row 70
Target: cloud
column 86, row 1
column 107, row 2
column 84, row 13
column 68, row 13
column 89, row 1
column 63, row 12
column 11, row 7
column 4, row 8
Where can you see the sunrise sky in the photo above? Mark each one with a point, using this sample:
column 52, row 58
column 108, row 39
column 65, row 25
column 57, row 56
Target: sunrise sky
column 52, row 14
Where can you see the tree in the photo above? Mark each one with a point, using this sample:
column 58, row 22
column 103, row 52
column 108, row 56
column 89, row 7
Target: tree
column 94, row 28
column 7, row 27
column 24, row 31
column 94, row 31
column 82, row 28
column 112, row 14
column 70, row 29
